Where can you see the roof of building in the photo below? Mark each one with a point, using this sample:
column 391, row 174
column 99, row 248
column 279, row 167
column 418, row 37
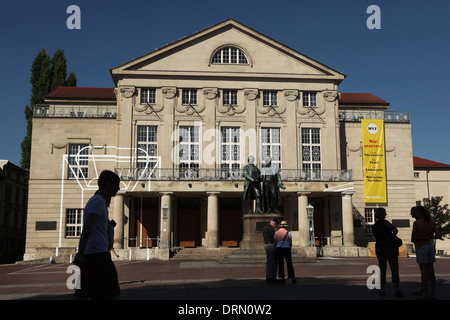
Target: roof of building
column 429, row 164
column 82, row 93
column 361, row 98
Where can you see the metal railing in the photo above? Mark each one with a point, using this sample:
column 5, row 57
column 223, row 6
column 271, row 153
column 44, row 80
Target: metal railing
column 203, row 174
column 142, row 242
column 48, row 111
column 387, row 116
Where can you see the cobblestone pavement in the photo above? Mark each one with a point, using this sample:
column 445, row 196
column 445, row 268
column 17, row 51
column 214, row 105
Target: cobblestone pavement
column 325, row 279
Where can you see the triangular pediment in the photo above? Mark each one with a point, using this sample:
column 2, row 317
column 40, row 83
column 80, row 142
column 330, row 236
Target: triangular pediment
column 192, row 55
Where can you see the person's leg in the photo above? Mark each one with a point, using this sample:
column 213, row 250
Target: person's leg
column 271, row 264
column 393, row 264
column 290, row 267
column 280, row 260
column 382, row 263
column 432, row 278
column 424, row 274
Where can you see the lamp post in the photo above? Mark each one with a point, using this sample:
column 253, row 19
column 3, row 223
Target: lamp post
column 310, row 215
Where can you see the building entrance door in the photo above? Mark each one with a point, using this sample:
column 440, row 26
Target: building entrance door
column 146, row 222
column 319, row 226
column 188, row 222
column 230, row 221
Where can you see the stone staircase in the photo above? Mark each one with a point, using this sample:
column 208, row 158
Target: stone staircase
column 258, row 256
column 225, row 255
column 179, row 253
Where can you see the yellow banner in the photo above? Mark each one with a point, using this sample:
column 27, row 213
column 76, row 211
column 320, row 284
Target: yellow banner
column 374, row 161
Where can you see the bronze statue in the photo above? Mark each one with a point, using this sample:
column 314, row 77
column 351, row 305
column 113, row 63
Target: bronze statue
column 252, row 185
column 271, row 186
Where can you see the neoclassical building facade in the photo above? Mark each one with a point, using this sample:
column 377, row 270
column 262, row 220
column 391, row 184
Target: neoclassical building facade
column 178, row 127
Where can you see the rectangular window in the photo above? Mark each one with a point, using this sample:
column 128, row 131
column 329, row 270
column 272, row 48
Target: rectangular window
column 270, row 98
column 74, row 222
column 309, row 99
column 229, row 97
column 231, row 152
column 311, row 153
column 271, row 145
column 189, row 97
column 189, row 150
column 147, row 143
column 148, row 95
column 78, row 161
column 369, row 217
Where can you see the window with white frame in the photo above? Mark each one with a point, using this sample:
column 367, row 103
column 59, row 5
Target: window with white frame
column 271, row 145
column 74, row 222
column 189, row 97
column 270, row 98
column 229, row 97
column 148, row 95
column 189, row 148
column 231, row 151
column 309, row 99
column 147, row 143
column 78, row 161
column 311, row 154
column 229, row 55
column 369, row 218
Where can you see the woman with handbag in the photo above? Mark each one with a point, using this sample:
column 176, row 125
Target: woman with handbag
column 283, row 244
column 386, row 248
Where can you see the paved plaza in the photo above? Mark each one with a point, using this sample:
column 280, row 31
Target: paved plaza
column 325, row 279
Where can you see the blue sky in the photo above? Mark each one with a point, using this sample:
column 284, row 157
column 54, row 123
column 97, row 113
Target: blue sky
column 406, row 62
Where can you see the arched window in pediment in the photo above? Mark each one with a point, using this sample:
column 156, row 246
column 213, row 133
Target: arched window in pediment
column 230, row 54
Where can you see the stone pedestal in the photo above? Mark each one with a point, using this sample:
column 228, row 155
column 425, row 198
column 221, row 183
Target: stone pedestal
column 252, row 237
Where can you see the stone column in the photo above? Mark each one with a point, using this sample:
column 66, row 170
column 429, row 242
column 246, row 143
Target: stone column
column 165, row 219
column 212, row 240
column 347, row 220
column 303, row 218
column 118, row 218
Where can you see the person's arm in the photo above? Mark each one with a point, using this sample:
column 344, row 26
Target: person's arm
column 437, row 233
column 91, row 220
column 389, row 225
column 413, row 233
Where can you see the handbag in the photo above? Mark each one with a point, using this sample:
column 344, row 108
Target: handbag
column 397, row 241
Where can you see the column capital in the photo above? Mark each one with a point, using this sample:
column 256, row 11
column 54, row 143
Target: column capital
column 347, row 194
column 303, row 193
column 166, row 193
column 212, row 193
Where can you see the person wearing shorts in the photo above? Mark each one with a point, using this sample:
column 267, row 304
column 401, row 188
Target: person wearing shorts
column 423, row 232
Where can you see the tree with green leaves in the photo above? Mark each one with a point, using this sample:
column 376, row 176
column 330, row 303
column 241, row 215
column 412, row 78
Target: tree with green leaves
column 46, row 75
column 440, row 214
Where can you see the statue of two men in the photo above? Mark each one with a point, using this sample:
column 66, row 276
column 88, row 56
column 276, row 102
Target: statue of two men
column 269, row 197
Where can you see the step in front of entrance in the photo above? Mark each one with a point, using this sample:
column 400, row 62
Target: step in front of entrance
column 199, row 253
column 232, row 255
column 259, row 257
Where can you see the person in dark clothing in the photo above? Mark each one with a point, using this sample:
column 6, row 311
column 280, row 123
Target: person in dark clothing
column 99, row 279
column 386, row 250
column 269, row 246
